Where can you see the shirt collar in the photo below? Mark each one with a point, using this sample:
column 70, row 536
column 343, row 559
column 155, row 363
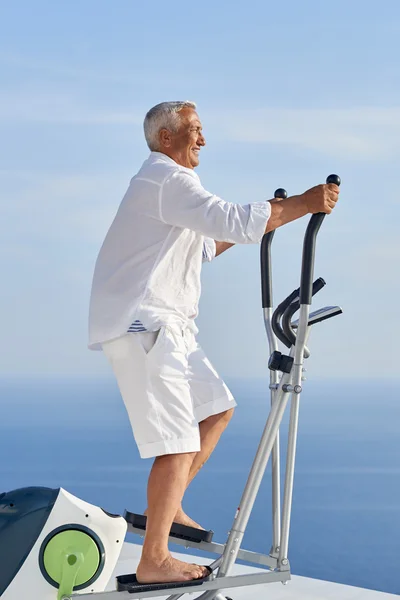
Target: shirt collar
column 162, row 156
column 165, row 158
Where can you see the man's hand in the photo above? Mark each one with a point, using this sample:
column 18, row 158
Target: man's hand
column 321, row 198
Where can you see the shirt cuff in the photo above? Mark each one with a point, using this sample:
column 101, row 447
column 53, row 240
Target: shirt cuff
column 209, row 249
column 260, row 212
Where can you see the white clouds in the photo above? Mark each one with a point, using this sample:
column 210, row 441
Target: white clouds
column 363, row 133
column 61, row 94
column 59, row 107
column 55, row 69
column 111, row 74
column 359, row 133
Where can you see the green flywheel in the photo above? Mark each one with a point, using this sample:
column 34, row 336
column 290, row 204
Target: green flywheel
column 71, row 559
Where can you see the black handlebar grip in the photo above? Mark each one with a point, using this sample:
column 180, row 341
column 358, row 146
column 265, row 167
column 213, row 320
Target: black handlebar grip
column 276, row 317
column 286, row 322
column 307, row 267
column 265, row 257
column 280, row 193
column 293, row 308
column 266, row 270
column 333, row 179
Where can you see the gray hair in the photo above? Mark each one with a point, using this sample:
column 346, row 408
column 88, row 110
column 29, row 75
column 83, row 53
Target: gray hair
column 163, row 116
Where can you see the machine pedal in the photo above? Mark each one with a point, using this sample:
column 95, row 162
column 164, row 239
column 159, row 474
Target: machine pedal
column 129, row 583
column 184, row 532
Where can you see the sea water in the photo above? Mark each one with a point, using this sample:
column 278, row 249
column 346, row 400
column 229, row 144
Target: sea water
column 75, row 434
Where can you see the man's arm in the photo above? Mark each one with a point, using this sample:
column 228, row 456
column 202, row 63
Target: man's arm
column 321, row 198
column 185, row 203
column 282, row 212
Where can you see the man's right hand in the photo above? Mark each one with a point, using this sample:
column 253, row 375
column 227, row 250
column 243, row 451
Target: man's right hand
column 321, row 198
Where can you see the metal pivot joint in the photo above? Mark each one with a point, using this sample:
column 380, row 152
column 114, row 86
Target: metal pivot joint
column 295, row 389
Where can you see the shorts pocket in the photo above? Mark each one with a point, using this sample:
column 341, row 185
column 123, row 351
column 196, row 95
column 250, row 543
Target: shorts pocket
column 149, row 341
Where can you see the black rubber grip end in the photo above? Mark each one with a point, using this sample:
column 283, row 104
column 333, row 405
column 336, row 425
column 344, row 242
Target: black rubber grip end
column 333, row 179
column 280, row 193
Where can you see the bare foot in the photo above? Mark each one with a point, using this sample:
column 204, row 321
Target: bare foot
column 183, row 519
column 168, row 570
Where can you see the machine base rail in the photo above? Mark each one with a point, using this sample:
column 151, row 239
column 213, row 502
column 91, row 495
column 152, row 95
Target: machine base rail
column 219, row 583
column 214, row 548
column 183, row 532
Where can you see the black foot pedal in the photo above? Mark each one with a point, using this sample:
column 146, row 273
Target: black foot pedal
column 129, row 583
column 184, row 532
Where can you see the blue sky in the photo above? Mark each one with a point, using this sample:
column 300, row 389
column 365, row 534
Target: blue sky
column 288, row 92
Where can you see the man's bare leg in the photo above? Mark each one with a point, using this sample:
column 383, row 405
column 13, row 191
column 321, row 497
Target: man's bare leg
column 211, row 430
column 166, row 486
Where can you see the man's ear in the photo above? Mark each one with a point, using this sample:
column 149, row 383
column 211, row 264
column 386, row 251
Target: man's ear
column 165, row 138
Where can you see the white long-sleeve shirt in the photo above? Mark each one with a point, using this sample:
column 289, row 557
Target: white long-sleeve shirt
column 149, row 264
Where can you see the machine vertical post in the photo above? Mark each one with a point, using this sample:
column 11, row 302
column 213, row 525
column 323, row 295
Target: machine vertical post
column 276, row 491
column 267, row 303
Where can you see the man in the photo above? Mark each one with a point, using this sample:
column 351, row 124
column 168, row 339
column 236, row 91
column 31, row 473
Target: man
column 144, row 300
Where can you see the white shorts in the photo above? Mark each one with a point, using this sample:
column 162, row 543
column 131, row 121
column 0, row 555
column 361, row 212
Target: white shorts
column 168, row 386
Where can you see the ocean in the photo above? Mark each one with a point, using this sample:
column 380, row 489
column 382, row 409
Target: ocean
column 74, row 433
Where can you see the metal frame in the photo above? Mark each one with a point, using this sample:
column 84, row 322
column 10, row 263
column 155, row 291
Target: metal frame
column 276, row 491
column 255, row 558
column 289, row 387
column 230, row 552
column 211, row 586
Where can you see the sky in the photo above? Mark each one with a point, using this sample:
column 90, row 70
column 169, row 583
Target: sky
column 288, row 93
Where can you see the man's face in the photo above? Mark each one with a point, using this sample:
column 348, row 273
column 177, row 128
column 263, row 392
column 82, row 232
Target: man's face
column 184, row 145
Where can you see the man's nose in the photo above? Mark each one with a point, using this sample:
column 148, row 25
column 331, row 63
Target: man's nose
column 201, row 140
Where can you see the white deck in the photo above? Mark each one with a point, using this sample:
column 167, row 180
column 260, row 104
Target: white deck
column 299, row 588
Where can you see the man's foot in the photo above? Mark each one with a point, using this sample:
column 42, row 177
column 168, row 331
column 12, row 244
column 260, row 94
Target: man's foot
column 183, row 519
column 168, row 570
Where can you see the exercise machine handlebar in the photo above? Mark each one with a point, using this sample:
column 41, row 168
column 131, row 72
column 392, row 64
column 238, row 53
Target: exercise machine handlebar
column 293, row 298
column 307, row 267
column 293, row 307
column 276, row 317
column 266, row 269
column 286, row 322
